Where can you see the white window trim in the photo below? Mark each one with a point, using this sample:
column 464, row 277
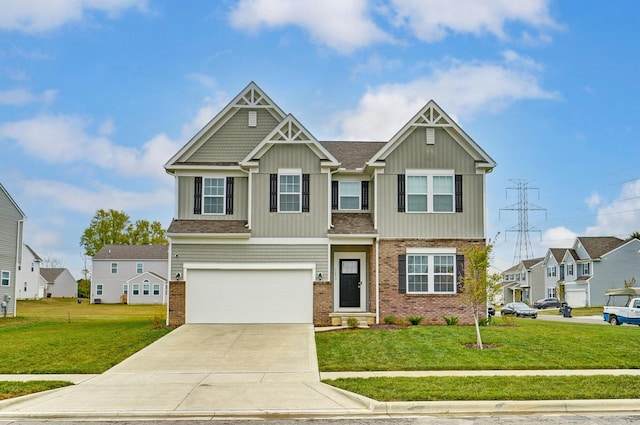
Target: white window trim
column 223, row 196
column 359, row 194
column 154, row 287
column 146, row 285
column 431, row 253
column 141, row 268
column 125, row 289
column 290, row 172
column 134, row 288
column 99, row 289
column 430, row 174
column 114, row 268
column 2, row 278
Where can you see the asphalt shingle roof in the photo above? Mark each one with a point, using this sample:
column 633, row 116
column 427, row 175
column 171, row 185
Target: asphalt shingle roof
column 50, row 274
column 597, row 246
column 208, row 226
column 352, row 224
column 133, row 252
column 353, row 155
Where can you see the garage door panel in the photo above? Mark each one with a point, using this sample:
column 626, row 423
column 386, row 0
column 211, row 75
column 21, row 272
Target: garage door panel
column 249, row 296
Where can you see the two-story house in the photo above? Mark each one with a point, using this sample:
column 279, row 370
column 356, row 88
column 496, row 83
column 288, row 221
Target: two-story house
column 273, row 226
column 553, row 271
column 28, row 282
column 11, row 226
column 597, row 263
column 524, row 281
column 130, row 274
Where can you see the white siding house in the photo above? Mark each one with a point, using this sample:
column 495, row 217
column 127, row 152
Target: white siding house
column 28, row 282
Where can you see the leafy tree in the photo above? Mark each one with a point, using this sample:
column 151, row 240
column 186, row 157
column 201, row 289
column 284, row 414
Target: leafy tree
column 84, row 287
column 478, row 285
column 115, row 228
column 635, row 235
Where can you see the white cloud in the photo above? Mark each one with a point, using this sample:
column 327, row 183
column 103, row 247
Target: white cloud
column 341, row 25
column 622, row 216
column 34, row 16
column 463, row 89
column 433, row 20
column 558, row 237
column 593, row 200
column 21, row 97
column 68, row 197
column 64, row 139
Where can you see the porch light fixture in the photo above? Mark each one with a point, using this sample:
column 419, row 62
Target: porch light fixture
column 320, row 276
column 178, row 276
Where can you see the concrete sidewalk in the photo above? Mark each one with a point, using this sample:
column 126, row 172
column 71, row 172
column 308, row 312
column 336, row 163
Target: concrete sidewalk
column 251, row 371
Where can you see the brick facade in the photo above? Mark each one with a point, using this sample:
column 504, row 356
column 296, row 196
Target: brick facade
column 433, row 307
column 176, row 303
column 322, row 303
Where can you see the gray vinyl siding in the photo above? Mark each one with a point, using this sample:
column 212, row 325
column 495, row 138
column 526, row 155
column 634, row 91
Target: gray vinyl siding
column 616, row 267
column 112, row 283
column 536, row 282
column 185, row 200
column 302, row 225
column 447, row 154
column 235, row 139
column 246, row 254
column 10, row 240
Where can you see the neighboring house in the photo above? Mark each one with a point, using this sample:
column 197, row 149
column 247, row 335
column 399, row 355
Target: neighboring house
column 524, row 281
column 553, row 271
column 11, row 226
column 28, row 281
column 595, row 264
column 59, row 283
column 273, row 226
column 133, row 274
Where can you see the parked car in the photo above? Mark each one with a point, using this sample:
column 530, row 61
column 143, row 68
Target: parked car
column 547, row 303
column 519, row 310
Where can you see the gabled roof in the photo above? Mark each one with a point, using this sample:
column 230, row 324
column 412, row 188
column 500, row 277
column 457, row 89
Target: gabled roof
column 251, row 97
column 511, row 269
column 156, row 275
column 353, row 155
column 597, row 246
column 12, row 201
column 556, row 253
column 35, row 256
column 226, row 227
column 570, row 253
column 51, row 274
column 133, row 252
column 431, row 115
column 290, row 131
column 531, row 262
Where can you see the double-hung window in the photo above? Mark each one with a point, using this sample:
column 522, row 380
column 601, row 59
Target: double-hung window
column 99, row 289
column 289, row 192
column 114, row 268
column 145, row 287
column 136, row 289
column 139, row 268
column 431, row 272
column 5, row 278
column 213, row 195
column 429, row 192
column 156, row 289
column 350, row 195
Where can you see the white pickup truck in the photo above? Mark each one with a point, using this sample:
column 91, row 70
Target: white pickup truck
column 623, row 306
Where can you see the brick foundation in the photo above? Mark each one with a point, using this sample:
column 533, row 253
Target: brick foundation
column 322, row 303
column 176, row 303
column 433, row 307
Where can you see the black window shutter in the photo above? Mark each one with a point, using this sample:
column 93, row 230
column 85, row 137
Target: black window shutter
column 402, row 274
column 334, row 195
column 401, row 192
column 273, row 193
column 460, row 272
column 229, row 199
column 305, row 193
column 364, row 189
column 197, row 195
column 458, row 188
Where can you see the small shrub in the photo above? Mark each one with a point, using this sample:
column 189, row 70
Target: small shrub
column 157, row 322
column 485, row 321
column 508, row 320
column 415, row 320
column 391, row 320
column 352, row 322
column 451, row 320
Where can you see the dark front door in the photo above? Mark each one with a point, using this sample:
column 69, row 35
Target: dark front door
column 350, row 283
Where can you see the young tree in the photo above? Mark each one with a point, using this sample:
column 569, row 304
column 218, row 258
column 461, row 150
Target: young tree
column 115, row 228
column 478, row 285
column 635, row 235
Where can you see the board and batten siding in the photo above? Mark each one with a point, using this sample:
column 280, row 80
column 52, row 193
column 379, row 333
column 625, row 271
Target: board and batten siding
column 614, row 268
column 445, row 154
column 186, row 200
column 248, row 254
column 235, row 139
column 310, row 224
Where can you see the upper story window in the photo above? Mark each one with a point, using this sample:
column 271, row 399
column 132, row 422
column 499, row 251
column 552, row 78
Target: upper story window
column 5, row 278
column 421, row 191
column 585, row 270
column 569, row 269
column 349, row 195
column 139, row 268
column 213, row 196
column 289, row 192
column 551, row 271
column 114, row 268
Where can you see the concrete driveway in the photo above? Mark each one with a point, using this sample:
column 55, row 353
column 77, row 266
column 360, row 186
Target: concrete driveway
column 204, row 370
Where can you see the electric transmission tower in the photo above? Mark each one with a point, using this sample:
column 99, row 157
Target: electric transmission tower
column 523, row 249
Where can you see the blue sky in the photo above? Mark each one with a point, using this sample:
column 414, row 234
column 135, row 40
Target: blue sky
column 95, row 96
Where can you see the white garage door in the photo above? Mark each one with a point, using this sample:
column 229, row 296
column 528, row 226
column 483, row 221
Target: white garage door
column 250, row 295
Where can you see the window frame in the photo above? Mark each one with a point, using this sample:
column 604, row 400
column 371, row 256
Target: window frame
column 358, row 195
column 99, row 289
column 139, row 267
column 135, row 289
column 4, row 279
column 125, row 289
column 223, row 197
column 431, row 274
column 146, row 287
column 290, row 173
column 156, row 289
column 430, row 193
column 114, row 268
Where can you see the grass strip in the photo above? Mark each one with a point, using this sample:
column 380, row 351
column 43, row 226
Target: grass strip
column 479, row 388
column 10, row 389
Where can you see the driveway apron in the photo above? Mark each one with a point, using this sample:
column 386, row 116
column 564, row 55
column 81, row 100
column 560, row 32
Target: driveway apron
column 203, row 370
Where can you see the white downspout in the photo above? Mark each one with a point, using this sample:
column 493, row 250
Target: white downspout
column 18, row 259
column 377, row 280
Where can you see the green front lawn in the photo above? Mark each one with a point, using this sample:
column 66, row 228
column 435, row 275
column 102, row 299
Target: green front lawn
column 530, row 344
column 10, row 389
